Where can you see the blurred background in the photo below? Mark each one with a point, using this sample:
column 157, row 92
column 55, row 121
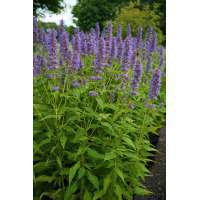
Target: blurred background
column 85, row 13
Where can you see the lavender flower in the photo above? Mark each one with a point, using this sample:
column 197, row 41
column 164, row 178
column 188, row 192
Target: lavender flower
column 38, row 63
column 149, row 61
column 52, row 49
column 76, row 61
column 55, row 88
column 151, row 106
column 35, row 29
column 161, row 56
column 151, row 40
column 102, row 50
column 108, row 40
column 96, row 78
column 119, row 32
column 139, row 38
column 97, row 29
column 137, row 75
column 93, row 93
column 155, row 84
column 114, row 48
column 126, row 59
column 129, row 31
column 120, row 50
column 64, row 47
column 61, row 29
column 76, row 84
column 98, row 67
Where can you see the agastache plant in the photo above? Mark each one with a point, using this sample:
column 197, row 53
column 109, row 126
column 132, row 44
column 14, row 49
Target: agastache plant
column 94, row 112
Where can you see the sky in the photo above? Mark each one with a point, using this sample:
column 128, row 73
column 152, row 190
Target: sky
column 66, row 15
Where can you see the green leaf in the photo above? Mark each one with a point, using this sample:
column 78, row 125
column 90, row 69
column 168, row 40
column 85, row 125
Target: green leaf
column 108, row 128
column 100, row 102
column 118, row 191
column 93, row 179
column 129, row 142
column 106, row 182
column 94, row 154
column 81, row 172
column 120, row 174
column 49, row 117
column 63, row 140
column 70, row 191
column 98, row 194
column 110, row 156
column 142, row 191
column 73, row 171
column 44, row 178
column 59, row 162
column 87, row 196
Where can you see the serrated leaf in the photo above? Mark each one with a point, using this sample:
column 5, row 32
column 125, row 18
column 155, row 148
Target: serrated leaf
column 110, row 156
column 44, row 178
column 100, row 102
column 94, row 154
column 142, row 191
column 98, row 194
column 129, row 142
column 70, row 191
column 73, row 171
column 120, row 174
column 63, row 140
column 93, row 179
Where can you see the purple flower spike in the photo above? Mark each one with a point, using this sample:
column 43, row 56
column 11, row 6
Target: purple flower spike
column 35, row 29
column 127, row 54
column 129, row 31
column 151, row 106
column 155, row 84
column 102, row 51
column 93, row 93
column 109, row 41
column 149, row 62
column 52, row 49
column 64, row 48
column 76, row 84
column 161, row 55
column 95, row 78
column 119, row 32
column 137, row 75
column 55, row 88
column 151, row 40
column 139, row 38
column 97, row 29
column 114, row 48
column 76, row 61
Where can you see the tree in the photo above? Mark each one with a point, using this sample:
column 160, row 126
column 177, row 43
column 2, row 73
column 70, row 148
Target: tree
column 88, row 12
column 54, row 6
column 137, row 17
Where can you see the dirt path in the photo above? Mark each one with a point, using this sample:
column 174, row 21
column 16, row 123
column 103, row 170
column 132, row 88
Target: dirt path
column 157, row 182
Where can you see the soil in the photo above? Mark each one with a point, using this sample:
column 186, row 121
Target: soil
column 156, row 183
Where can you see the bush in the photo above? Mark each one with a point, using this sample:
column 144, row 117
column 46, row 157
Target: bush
column 91, row 137
column 138, row 17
